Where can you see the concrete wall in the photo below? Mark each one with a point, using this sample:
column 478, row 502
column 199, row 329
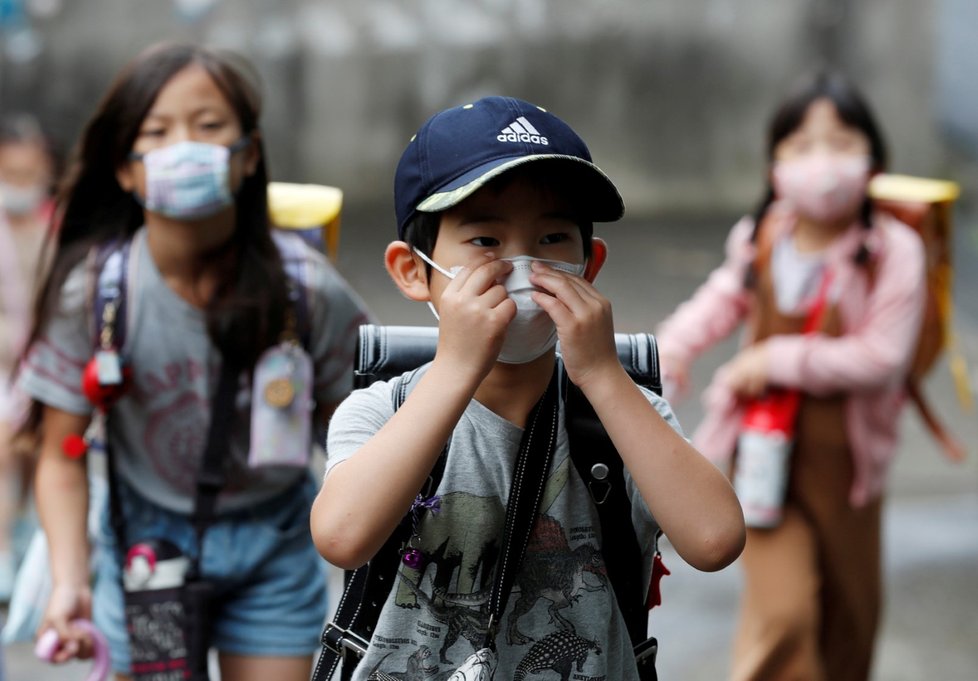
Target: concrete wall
column 671, row 95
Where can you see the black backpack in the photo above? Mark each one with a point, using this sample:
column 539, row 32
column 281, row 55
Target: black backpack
column 390, row 352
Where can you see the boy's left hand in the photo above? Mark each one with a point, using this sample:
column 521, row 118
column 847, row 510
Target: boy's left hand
column 584, row 321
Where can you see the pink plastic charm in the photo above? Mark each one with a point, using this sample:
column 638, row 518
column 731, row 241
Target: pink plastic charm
column 48, row 643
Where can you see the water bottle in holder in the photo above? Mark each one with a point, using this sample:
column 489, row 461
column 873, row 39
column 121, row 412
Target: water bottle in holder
column 763, row 459
column 153, row 580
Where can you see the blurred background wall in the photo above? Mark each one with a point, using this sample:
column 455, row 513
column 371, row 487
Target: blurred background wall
column 672, row 95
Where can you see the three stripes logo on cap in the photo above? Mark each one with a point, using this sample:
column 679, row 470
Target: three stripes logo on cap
column 521, row 130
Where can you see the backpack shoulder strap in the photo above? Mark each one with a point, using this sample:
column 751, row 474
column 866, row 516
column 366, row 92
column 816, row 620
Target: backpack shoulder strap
column 110, row 305
column 290, row 248
column 600, row 467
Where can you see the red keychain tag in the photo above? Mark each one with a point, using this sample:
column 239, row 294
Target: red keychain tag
column 659, row 570
column 100, row 394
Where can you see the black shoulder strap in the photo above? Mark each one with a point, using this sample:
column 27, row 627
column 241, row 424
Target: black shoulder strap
column 601, row 468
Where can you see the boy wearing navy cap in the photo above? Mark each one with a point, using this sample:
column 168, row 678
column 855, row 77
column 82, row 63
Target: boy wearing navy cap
column 495, row 202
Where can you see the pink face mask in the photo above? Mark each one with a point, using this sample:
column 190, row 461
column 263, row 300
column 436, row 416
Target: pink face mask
column 823, row 187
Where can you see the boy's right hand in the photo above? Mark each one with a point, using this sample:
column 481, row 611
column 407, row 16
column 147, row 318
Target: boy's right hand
column 474, row 313
column 66, row 604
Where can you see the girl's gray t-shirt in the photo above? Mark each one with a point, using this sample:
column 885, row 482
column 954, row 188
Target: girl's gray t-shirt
column 158, row 429
column 561, row 615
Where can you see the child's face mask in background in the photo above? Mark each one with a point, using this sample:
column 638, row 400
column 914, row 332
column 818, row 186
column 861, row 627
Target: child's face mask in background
column 532, row 332
column 823, row 187
column 19, row 201
column 188, row 180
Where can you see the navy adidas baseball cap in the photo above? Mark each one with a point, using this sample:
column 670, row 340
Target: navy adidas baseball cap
column 459, row 150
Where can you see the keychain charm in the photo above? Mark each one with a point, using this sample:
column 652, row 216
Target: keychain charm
column 105, row 378
column 659, row 570
column 279, row 393
column 108, row 367
column 74, row 446
column 282, row 407
column 104, row 393
column 413, row 557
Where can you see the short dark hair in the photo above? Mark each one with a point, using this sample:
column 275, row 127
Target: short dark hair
column 422, row 230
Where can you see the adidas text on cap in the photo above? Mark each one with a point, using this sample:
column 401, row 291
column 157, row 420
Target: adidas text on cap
column 459, row 150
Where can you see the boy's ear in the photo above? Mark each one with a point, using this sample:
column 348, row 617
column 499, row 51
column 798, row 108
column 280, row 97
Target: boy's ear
column 599, row 253
column 407, row 270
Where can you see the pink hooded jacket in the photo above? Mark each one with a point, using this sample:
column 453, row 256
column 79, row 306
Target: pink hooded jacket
column 881, row 322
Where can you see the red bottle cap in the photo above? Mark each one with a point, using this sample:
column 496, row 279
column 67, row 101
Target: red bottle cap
column 776, row 411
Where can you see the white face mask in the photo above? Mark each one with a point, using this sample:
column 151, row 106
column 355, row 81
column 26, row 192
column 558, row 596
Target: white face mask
column 532, row 332
column 19, row 201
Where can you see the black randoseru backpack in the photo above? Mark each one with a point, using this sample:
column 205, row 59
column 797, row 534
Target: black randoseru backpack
column 387, row 352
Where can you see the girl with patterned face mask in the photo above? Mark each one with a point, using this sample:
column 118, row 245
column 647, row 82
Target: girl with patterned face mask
column 832, row 295
column 170, row 178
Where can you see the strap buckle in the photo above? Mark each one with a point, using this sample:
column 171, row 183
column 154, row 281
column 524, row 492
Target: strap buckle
column 336, row 638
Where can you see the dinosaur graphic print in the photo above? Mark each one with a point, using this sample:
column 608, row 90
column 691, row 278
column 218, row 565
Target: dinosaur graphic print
column 462, row 555
column 554, row 572
column 463, row 616
column 417, row 668
column 559, row 652
column 460, row 560
column 442, row 602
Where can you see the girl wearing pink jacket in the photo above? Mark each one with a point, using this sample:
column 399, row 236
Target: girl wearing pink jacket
column 811, row 602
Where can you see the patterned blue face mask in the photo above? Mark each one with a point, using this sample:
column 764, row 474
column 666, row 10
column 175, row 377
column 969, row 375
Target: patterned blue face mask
column 188, row 180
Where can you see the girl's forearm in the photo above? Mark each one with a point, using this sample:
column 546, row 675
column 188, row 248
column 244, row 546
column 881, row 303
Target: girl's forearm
column 61, row 491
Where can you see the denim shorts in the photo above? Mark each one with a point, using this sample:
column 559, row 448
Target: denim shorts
column 272, row 580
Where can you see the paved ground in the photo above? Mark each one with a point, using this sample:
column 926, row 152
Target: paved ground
column 931, row 520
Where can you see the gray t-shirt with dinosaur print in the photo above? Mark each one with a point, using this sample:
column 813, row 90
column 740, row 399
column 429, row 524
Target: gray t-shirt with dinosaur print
column 561, row 616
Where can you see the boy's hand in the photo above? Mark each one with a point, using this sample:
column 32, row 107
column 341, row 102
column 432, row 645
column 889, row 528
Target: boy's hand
column 584, row 322
column 474, row 313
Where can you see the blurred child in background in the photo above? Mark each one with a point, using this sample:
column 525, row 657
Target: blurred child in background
column 26, row 177
column 811, row 604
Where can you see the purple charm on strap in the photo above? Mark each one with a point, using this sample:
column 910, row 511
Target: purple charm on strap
column 432, row 503
column 413, row 558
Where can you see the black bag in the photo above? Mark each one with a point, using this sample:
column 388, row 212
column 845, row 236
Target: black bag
column 386, row 352
column 153, row 579
column 168, row 610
